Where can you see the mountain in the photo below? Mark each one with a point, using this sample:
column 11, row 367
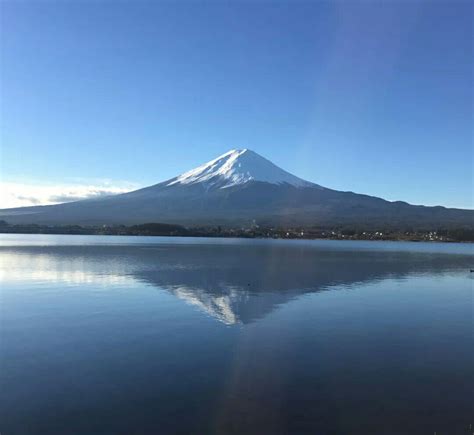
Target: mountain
column 241, row 187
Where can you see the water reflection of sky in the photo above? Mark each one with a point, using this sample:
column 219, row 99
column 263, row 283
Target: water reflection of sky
column 234, row 337
column 233, row 282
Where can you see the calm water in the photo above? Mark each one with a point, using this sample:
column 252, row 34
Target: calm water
column 137, row 335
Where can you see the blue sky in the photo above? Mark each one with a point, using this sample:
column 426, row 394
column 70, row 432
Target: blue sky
column 373, row 97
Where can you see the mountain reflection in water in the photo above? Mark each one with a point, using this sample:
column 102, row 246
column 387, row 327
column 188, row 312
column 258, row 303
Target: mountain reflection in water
column 235, row 283
column 111, row 335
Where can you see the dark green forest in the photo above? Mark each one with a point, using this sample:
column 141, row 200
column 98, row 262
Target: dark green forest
column 253, row 231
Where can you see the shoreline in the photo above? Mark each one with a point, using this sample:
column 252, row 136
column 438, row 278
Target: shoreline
column 242, row 237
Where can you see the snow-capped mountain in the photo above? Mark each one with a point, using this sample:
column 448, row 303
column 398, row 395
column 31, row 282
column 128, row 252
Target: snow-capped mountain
column 239, row 188
column 238, row 167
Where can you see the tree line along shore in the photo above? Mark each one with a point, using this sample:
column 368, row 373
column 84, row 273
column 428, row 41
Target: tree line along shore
column 253, row 231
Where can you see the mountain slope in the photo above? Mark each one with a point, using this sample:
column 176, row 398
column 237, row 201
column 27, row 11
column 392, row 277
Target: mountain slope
column 238, row 188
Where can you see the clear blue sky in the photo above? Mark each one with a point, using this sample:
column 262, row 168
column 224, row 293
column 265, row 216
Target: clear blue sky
column 374, row 97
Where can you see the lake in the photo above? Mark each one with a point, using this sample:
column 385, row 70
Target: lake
column 157, row 335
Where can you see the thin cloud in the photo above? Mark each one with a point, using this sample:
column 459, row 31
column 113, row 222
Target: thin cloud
column 29, row 199
column 71, row 196
column 24, row 195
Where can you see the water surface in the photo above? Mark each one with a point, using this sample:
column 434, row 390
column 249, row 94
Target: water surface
column 145, row 335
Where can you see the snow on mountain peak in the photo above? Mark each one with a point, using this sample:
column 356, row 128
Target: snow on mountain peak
column 238, row 166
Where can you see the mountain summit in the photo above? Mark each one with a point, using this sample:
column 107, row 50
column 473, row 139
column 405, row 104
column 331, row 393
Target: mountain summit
column 239, row 188
column 238, row 167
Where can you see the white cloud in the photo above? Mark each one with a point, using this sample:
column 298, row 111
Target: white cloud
column 23, row 195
